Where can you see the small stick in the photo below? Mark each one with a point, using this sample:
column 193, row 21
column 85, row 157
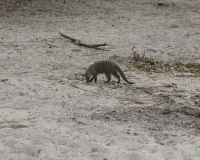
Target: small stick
column 64, row 81
column 78, row 42
column 70, row 38
column 109, row 141
column 81, row 88
column 52, row 45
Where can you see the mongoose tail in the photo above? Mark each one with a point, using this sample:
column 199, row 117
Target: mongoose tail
column 106, row 67
column 122, row 74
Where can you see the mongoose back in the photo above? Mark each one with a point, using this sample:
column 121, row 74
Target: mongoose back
column 106, row 67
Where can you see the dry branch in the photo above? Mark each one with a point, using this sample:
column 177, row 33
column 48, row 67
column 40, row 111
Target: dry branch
column 78, row 42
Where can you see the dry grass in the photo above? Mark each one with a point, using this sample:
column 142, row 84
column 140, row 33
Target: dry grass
column 150, row 64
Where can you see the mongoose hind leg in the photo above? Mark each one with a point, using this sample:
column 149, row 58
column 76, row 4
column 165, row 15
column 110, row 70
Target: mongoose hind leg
column 108, row 76
column 116, row 75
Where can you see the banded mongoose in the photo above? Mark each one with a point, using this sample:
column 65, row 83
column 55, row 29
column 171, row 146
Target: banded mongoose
column 106, row 67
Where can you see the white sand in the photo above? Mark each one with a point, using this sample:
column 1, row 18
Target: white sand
column 47, row 111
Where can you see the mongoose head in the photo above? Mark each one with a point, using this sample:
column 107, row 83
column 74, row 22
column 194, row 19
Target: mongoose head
column 87, row 76
column 90, row 72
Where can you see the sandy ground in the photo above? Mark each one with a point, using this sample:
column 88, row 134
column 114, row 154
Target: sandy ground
column 48, row 111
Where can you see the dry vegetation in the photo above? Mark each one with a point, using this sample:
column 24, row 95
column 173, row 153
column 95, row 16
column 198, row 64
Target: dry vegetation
column 151, row 64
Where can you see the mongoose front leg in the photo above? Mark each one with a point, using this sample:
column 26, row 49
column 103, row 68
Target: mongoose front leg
column 91, row 79
column 95, row 79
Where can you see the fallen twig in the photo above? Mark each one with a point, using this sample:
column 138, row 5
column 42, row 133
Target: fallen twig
column 75, row 86
column 110, row 141
column 51, row 45
column 78, row 42
column 107, row 143
column 64, row 81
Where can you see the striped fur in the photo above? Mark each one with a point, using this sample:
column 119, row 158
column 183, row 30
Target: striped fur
column 106, row 67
